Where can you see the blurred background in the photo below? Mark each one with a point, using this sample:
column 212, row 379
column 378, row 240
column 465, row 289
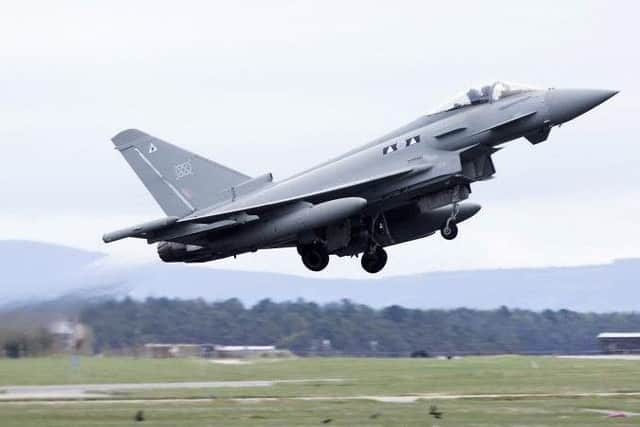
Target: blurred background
column 278, row 87
column 530, row 317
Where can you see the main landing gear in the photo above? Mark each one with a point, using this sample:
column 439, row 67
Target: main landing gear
column 374, row 260
column 375, row 257
column 314, row 256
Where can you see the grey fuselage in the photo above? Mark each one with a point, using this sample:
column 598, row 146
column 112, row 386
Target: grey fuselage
column 400, row 187
column 376, row 158
column 442, row 138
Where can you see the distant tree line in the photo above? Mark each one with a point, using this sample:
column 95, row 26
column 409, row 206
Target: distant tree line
column 348, row 328
column 16, row 343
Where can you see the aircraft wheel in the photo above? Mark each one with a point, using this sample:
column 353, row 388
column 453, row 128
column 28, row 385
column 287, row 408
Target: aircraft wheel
column 449, row 231
column 314, row 257
column 373, row 262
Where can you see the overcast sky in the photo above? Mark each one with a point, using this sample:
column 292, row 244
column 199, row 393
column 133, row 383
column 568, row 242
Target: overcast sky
column 280, row 86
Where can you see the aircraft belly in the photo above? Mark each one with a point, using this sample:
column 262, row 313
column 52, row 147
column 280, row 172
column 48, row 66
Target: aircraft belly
column 286, row 222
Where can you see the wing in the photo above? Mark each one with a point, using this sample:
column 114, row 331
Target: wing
column 207, row 216
column 233, row 214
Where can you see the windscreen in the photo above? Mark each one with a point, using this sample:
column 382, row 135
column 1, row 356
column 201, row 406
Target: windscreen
column 483, row 94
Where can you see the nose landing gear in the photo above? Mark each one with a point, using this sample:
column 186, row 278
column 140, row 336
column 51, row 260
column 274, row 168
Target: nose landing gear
column 374, row 260
column 449, row 230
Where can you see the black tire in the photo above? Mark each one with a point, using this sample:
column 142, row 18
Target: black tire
column 373, row 262
column 449, row 232
column 314, row 257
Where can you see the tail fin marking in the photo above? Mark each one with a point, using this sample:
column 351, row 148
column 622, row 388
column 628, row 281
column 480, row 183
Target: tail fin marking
column 180, row 181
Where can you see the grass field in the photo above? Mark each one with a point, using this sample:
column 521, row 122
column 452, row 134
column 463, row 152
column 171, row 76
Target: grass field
column 536, row 412
column 342, row 403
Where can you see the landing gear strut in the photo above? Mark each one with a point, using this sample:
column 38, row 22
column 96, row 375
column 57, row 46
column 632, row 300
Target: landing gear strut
column 374, row 260
column 314, row 256
column 449, row 230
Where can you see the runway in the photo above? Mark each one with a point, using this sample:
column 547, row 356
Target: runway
column 67, row 394
column 98, row 391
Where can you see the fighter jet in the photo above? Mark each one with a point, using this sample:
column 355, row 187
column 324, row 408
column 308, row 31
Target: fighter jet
column 406, row 185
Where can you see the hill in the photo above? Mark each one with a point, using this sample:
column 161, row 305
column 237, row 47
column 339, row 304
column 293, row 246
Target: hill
column 33, row 270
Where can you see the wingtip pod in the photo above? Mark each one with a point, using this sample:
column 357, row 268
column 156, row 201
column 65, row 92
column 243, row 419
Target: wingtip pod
column 140, row 230
column 113, row 236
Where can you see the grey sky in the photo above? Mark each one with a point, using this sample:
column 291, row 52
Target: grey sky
column 280, row 86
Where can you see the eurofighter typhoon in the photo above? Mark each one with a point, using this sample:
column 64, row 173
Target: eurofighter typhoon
column 406, row 185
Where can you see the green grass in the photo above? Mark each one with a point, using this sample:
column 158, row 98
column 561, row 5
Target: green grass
column 510, row 374
column 538, row 413
column 472, row 375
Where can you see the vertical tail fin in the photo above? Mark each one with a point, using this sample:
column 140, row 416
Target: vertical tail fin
column 180, row 181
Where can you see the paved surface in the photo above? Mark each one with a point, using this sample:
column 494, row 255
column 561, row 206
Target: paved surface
column 603, row 357
column 94, row 391
column 64, row 394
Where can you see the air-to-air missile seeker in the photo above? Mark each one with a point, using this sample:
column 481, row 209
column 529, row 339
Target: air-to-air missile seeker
column 403, row 186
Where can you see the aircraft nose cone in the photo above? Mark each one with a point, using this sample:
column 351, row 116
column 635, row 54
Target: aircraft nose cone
column 567, row 104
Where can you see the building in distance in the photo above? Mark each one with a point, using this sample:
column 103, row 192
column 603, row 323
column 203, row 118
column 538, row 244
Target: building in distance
column 619, row 342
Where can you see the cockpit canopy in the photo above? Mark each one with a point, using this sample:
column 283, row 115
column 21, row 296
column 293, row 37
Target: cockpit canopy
column 483, row 94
